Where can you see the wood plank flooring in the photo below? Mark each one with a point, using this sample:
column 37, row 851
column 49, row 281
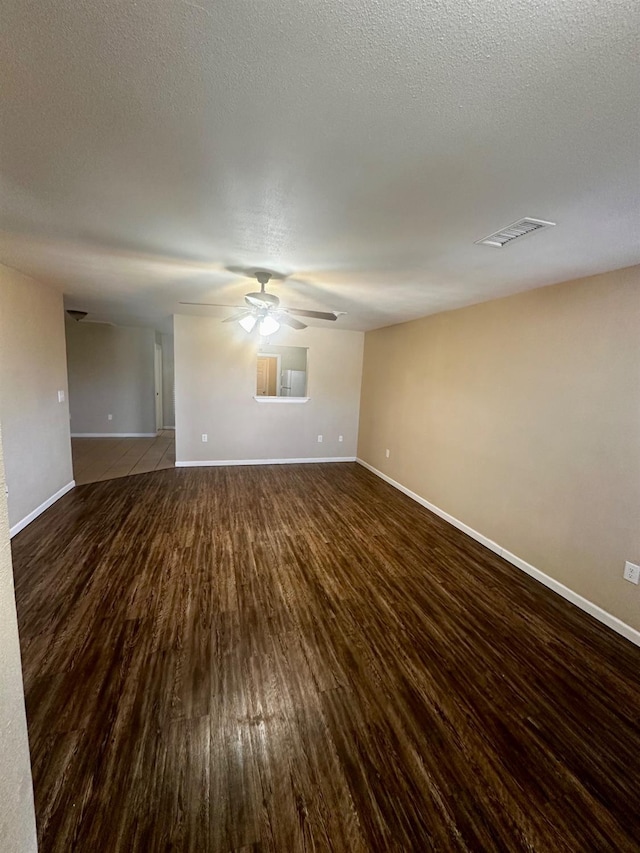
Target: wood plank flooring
column 300, row 658
column 96, row 459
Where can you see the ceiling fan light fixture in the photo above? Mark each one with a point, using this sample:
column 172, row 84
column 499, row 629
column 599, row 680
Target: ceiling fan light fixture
column 248, row 323
column 268, row 325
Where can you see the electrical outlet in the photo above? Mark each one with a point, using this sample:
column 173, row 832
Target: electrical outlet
column 319, row 439
column 340, row 438
column 205, row 437
column 61, row 396
column 109, row 417
column 387, row 453
column 632, row 573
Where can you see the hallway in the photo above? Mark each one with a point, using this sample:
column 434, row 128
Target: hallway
column 96, row 459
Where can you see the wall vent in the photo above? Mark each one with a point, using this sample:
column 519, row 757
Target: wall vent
column 512, row 232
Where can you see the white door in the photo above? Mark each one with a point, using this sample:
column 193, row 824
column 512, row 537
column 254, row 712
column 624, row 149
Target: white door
column 158, row 381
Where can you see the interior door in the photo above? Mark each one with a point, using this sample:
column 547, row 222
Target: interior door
column 262, row 377
column 267, row 376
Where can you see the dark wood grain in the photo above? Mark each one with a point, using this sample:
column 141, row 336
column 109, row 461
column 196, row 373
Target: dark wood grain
column 300, row 658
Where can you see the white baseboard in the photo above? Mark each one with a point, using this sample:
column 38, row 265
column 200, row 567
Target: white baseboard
column 114, row 434
column 214, row 463
column 168, row 427
column 40, row 509
column 589, row 607
column 488, row 543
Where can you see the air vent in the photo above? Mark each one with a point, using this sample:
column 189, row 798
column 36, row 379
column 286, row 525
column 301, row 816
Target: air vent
column 514, row 231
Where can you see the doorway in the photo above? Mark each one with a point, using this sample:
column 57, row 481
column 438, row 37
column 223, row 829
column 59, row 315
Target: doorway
column 158, row 384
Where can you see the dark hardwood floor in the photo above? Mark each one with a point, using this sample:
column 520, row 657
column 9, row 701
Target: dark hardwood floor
column 300, row 658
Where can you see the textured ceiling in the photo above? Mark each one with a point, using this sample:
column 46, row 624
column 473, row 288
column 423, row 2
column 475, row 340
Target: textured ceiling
column 360, row 145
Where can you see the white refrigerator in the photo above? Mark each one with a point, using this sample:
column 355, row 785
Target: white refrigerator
column 293, row 383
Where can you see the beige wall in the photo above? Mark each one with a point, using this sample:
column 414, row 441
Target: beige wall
column 32, row 370
column 111, row 371
column 17, row 817
column 215, row 366
column 521, row 418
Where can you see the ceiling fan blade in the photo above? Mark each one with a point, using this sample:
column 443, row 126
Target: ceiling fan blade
column 210, row 304
column 319, row 315
column 237, row 316
column 291, row 321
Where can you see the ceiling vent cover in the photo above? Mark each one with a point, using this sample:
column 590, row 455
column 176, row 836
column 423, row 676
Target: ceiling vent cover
column 514, row 231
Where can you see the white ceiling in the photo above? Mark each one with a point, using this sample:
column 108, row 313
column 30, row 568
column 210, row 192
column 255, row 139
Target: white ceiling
column 362, row 145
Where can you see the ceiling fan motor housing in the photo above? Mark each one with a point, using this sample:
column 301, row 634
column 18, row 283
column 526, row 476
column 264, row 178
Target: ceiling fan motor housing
column 262, row 300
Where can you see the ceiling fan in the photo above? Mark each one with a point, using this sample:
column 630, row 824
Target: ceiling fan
column 263, row 309
column 81, row 316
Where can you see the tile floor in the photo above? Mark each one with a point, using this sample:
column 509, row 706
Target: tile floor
column 97, row 459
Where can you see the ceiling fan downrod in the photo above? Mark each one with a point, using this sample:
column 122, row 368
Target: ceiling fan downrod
column 263, row 278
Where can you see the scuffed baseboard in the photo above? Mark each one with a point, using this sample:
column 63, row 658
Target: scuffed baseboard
column 589, row 607
column 40, row 509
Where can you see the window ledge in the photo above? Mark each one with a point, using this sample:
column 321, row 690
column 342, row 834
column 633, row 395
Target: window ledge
column 263, row 399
